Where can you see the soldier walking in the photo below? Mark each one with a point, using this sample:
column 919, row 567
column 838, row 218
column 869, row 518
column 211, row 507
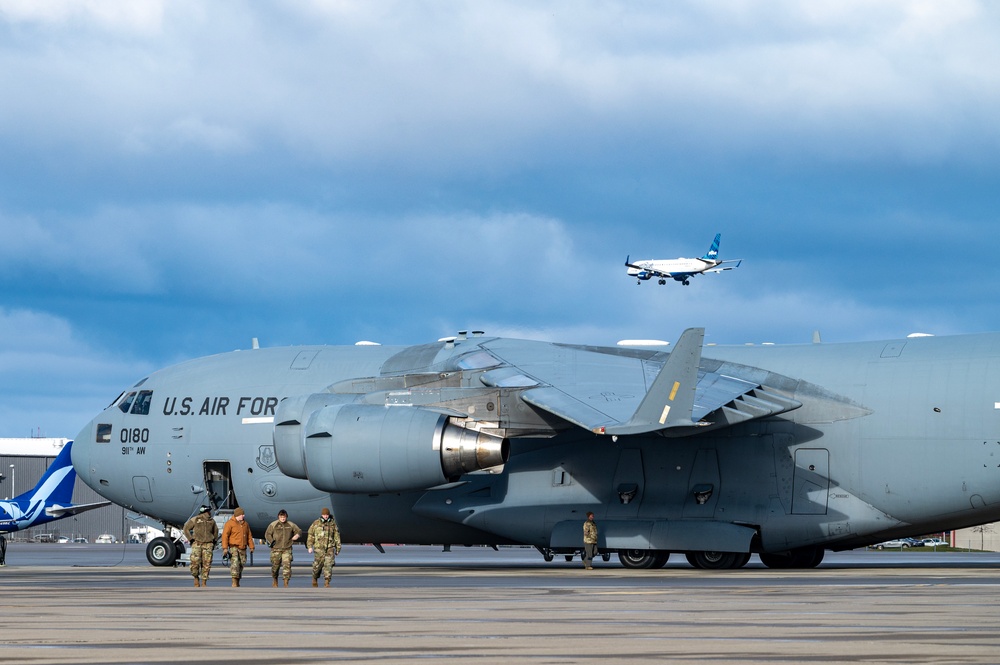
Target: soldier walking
column 202, row 531
column 589, row 541
column 236, row 539
column 324, row 538
column 281, row 535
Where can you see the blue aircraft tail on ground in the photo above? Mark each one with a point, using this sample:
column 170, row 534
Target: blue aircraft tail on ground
column 51, row 499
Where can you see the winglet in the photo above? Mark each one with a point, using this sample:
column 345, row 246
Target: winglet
column 670, row 400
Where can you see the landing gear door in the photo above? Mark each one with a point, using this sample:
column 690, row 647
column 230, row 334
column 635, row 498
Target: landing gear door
column 628, row 485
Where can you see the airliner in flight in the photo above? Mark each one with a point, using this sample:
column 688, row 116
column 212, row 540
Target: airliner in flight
column 681, row 269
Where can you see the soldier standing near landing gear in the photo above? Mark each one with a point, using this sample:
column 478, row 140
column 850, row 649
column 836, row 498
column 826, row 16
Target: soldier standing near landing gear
column 589, row 541
column 281, row 535
column 202, row 531
column 236, row 538
column 324, row 537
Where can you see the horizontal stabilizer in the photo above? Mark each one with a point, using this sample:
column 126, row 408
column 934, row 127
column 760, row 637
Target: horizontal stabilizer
column 58, row 511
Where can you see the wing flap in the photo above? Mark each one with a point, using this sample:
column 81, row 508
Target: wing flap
column 682, row 399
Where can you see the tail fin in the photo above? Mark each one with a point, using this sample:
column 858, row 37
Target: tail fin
column 56, row 484
column 51, row 499
column 713, row 251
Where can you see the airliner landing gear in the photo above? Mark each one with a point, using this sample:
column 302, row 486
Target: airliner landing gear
column 662, row 282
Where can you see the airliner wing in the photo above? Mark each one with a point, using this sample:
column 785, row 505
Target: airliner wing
column 719, row 267
column 652, row 271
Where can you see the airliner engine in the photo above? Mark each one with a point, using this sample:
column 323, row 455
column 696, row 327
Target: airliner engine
column 364, row 448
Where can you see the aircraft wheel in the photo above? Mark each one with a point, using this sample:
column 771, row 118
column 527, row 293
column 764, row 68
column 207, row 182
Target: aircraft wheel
column 641, row 559
column 714, row 560
column 606, row 556
column 161, row 552
column 806, row 557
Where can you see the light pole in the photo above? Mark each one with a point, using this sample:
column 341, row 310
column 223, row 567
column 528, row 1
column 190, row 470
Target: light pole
column 12, row 492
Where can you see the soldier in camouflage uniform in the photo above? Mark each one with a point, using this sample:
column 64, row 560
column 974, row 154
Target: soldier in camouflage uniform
column 589, row 541
column 281, row 535
column 202, row 531
column 324, row 538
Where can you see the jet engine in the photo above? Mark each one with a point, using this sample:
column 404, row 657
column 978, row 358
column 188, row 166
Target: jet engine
column 364, row 448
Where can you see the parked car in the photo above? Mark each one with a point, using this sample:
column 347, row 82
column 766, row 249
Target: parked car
column 106, row 538
column 81, row 539
column 935, row 542
column 63, row 539
column 899, row 543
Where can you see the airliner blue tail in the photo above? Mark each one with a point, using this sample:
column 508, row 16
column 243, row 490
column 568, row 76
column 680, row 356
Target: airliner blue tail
column 713, row 251
column 56, row 484
column 50, row 499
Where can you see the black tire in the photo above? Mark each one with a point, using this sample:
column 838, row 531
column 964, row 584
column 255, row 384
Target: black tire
column 806, row 557
column 643, row 559
column 714, row 560
column 161, row 552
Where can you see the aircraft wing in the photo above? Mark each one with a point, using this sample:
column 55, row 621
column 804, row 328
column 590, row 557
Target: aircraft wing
column 650, row 270
column 719, row 267
column 608, row 394
column 58, row 511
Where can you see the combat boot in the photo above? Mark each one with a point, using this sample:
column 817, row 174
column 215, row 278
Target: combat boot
column 204, row 582
column 327, row 583
column 315, row 581
column 197, row 582
column 286, row 581
column 274, row 581
column 236, row 582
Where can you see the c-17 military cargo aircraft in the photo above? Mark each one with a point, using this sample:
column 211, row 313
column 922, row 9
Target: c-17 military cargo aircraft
column 716, row 453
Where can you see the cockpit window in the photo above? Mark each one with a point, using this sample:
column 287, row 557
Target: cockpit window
column 103, row 433
column 126, row 403
column 142, row 402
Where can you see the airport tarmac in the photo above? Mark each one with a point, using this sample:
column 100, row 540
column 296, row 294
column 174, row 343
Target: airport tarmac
column 104, row 604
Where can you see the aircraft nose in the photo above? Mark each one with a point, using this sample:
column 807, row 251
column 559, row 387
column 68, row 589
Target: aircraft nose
column 83, row 446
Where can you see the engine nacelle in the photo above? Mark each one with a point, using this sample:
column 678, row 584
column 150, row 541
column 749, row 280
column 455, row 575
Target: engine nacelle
column 289, row 423
column 362, row 448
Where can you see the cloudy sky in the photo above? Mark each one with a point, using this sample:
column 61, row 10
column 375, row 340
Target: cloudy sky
column 179, row 177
